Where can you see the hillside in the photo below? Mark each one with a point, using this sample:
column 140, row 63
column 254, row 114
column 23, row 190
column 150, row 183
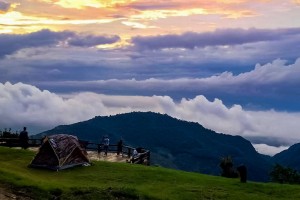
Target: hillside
column 105, row 180
column 289, row 157
column 173, row 143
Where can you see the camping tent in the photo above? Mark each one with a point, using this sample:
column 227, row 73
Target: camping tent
column 60, row 152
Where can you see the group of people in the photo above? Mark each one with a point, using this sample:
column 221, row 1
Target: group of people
column 105, row 143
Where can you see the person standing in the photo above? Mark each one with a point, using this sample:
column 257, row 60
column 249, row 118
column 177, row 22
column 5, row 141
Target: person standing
column 242, row 169
column 24, row 138
column 105, row 144
column 120, row 147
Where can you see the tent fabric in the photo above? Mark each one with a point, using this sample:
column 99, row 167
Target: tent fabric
column 60, row 151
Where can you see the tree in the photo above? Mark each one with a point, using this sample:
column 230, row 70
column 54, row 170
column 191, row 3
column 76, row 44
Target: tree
column 227, row 167
column 8, row 134
column 284, row 175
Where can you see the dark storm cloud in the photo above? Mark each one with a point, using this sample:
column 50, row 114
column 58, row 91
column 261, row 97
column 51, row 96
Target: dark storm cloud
column 220, row 37
column 91, row 40
column 271, row 86
column 11, row 43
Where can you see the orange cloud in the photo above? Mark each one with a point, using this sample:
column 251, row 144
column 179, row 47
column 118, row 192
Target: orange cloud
column 136, row 25
column 144, row 9
column 20, row 23
column 6, row 7
column 33, row 15
column 297, row 2
column 162, row 9
column 18, row 19
column 82, row 4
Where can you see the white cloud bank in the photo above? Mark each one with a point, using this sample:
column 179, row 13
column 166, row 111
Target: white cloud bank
column 269, row 150
column 26, row 105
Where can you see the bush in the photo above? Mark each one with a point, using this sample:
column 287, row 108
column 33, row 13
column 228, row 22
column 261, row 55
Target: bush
column 284, row 175
column 227, row 168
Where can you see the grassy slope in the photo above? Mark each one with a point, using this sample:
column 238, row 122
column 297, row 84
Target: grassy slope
column 104, row 180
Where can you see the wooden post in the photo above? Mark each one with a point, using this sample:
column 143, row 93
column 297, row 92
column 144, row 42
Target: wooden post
column 99, row 148
column 148, row 158
column 9, row 143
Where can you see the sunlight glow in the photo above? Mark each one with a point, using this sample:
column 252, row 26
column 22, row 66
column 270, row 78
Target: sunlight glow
column 157, row 14
column 18, row 19
column 131, row 15
column 297, row 2
column 82, row 4
column 137, row 25
column 5, row 31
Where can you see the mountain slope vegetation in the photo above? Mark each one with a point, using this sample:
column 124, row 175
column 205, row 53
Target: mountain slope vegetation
column 289, row 157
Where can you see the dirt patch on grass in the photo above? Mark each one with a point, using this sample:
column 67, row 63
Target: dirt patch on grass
column 111, row 157
column 7, row 193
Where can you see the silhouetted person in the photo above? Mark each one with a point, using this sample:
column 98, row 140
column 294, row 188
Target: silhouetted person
column 24, row 138
column 242, row 169
column 120, row 147
column 105, row 144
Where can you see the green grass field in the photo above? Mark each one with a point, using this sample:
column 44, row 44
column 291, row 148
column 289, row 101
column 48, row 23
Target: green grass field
column 104, row 180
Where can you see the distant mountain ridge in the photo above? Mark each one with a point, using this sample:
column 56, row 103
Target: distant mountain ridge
column 173, row 143
column 289, row 157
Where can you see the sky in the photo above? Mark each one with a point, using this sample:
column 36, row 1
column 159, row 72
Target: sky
column 231, row 65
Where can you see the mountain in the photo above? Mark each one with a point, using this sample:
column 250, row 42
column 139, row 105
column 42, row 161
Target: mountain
column 173, row 143
column 289, row 157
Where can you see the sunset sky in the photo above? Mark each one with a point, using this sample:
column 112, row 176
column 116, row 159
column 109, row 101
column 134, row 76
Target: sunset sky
column 231, row 65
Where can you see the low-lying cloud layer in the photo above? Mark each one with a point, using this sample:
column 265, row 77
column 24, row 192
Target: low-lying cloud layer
column 26, row 105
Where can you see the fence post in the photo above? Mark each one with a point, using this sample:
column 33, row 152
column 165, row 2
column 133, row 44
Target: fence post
column 99, row 148
column 148, row 158
column 9, row 143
